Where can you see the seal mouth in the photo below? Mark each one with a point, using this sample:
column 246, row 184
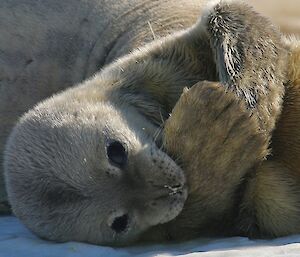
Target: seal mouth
column 176, row 197
column 176, row 189
column 167, row 190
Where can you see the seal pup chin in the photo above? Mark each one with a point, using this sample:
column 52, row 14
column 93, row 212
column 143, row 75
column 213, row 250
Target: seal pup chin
column 91, row 177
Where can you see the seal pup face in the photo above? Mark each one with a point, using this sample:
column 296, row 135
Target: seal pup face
column 75, row 170
column 83, row 165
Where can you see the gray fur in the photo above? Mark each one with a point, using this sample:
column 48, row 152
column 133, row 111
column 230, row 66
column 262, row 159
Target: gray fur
column 48, row 46
column 57, row 149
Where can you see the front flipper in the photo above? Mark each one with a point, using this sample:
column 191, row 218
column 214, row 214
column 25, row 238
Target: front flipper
column 219, row 132
column 218, row 145
column 250, row 57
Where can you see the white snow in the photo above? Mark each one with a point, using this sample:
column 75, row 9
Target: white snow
column 17, row 241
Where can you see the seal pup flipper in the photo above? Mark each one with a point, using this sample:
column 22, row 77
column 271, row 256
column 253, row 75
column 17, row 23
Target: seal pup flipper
column 212, row 136
column 250, row 63
column 231, row 43
column 249, row 55
column 216, row 136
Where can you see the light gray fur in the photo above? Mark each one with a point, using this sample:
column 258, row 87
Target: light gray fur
column 47, row 46
column 59, row 181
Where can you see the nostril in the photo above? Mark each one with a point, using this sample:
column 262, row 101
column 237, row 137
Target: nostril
column 177, row 186
column 120, row 223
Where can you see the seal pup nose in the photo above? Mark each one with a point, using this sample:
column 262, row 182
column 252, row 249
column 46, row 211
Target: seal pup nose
column 120, row 223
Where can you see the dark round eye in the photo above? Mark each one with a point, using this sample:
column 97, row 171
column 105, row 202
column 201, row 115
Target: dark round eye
column 117, row 153
column 120, row 223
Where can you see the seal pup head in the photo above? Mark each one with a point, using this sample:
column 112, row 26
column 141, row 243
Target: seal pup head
column 76, row 170
column 83, row 165
column 89, row 148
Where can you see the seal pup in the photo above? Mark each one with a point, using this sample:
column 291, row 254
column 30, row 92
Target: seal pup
column 85, row 164
column 48, row 46
column 124, row 109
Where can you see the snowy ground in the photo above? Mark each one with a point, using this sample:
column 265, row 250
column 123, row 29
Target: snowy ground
column 17, row 241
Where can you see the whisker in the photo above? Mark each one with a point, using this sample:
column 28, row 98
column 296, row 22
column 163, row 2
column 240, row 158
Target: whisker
column 157, row 135
column 151, row 29
column 161, row 116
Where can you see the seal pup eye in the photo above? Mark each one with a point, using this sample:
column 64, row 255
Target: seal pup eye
column 120, row 223
column 116, row 153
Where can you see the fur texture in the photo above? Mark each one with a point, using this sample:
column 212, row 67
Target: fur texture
column 68, row 147
column 272, row 196
column 222, row 141
column 60, row 177
column 48, row 46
